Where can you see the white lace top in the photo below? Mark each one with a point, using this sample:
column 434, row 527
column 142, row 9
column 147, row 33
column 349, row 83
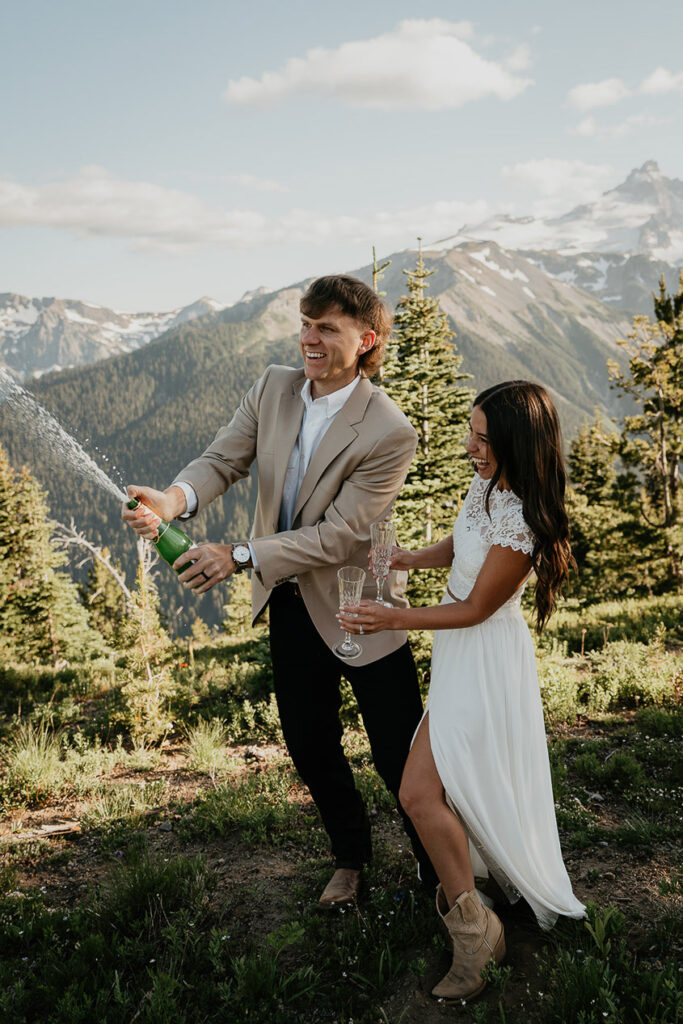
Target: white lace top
column 475, row 533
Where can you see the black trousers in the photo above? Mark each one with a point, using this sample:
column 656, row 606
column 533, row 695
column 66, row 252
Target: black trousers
column 307, row 688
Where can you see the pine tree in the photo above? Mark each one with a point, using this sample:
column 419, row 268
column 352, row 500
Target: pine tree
column 378, row 272
column 592, row 456
column 41, row 617
column 652, row 439
column 148, row 683
column 424, row 379
column 238, row 609
column 105, row 600
column 602, row 522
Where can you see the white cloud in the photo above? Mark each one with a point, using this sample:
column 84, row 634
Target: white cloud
column 597, row 94
column 96, row 204
column 662, row 81
column 559, row 184
column 422, row 64
column 589, row 127
column 590, row 95
column 633, row 123
column 519, row 59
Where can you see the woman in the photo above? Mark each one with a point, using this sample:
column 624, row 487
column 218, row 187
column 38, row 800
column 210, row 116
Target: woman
column 477, row 781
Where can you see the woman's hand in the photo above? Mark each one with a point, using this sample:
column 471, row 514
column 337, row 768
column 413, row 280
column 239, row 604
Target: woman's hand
column 212, row 564
column 368, row 617
column 401, row 558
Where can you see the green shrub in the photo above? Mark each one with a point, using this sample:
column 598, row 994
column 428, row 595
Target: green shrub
column 34, row 771
column 635, row 619
column 257, row 804
column 122, row 803
column 654, row 721
column 619, row 771
column 206, row 746
column 254, row 722
column 559, row 691
column 630, row 673
column 601, row 981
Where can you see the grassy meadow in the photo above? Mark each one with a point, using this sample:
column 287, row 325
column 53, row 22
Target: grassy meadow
column 174, row 878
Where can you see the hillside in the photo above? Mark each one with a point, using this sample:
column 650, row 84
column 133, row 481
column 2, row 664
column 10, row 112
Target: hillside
column 148, row 412
column 40, row 336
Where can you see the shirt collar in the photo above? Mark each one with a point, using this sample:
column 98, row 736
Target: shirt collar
column 335, row 401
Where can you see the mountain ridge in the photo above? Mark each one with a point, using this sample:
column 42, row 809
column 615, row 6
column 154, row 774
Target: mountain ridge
column 639, row 221
column 41, row 335
column 641, row 216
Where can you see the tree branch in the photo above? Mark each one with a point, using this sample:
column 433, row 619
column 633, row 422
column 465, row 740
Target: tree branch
column 69, row 536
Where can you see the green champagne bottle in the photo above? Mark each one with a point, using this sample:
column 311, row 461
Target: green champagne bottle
column 170, row 542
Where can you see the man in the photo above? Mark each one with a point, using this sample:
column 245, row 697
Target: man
column 332, row 453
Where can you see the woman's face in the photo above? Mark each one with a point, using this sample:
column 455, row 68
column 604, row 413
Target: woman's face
column 478, row 447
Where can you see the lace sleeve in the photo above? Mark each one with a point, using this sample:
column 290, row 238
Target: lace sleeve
column 509, row 528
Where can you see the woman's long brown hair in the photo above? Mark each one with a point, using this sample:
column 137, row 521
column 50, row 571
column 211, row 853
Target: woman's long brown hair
column 523, row 430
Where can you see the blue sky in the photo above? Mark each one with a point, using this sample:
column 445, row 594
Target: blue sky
column 155, row 151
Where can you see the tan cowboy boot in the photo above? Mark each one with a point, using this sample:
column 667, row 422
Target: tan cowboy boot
column 341, row 890
column 476, row 937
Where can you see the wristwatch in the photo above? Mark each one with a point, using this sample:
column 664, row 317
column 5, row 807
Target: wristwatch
column 241, row 556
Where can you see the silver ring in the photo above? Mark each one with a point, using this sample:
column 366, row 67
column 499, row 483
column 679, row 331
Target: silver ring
column 360, row 630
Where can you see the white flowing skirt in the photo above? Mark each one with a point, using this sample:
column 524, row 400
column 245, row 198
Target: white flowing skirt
column 488, row 739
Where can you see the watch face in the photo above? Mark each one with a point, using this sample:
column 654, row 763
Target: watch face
column 241, row 554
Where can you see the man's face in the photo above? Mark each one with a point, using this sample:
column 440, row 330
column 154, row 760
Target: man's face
column 331, row 346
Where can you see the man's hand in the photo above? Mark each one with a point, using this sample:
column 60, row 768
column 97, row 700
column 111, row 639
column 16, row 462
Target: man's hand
column 212, row 564
column 369, row 617
column 154, row 504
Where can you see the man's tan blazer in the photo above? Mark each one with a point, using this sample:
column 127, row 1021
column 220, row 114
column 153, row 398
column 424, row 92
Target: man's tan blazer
column 352, row 480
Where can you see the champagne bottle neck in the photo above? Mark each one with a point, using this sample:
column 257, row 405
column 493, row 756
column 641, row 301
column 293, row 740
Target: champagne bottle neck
column 161, row 530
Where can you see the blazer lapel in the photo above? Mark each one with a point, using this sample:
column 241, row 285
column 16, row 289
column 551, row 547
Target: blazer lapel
column 339, row 436
column 287, row 422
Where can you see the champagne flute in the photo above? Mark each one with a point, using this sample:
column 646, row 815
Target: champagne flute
column 382, row 538
column 351, row 580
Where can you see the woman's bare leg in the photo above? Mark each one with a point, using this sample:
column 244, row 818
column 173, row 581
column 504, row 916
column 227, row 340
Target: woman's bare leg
column 443, row 837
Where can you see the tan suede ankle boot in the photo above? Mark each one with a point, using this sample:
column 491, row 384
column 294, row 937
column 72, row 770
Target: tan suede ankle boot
column 476, row 937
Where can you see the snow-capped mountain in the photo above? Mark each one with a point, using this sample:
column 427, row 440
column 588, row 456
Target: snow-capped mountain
column 39, row 335
column 616, row 248
column 625, row 282
column 643, row 215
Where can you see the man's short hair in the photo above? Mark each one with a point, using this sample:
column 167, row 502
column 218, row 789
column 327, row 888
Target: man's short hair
column 356, row 299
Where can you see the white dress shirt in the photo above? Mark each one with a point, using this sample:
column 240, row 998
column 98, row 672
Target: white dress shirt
column 317, row 419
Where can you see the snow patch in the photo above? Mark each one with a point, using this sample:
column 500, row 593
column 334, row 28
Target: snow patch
column 509, row 275
column 71, row 314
